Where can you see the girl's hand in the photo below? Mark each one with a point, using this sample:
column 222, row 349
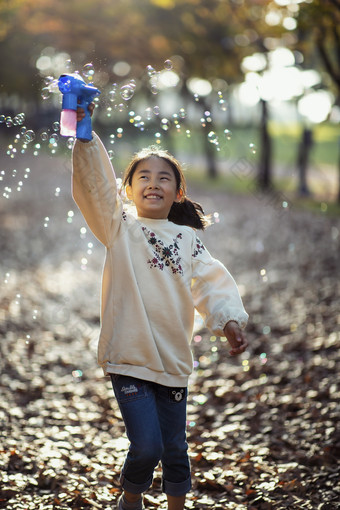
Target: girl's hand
column 236, row 338
column 81, row 111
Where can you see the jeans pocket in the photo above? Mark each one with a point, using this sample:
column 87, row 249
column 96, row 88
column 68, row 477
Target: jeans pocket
column 128, row 389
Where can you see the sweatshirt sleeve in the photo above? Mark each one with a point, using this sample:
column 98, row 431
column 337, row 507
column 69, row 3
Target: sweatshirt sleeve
column 215, row 293
column 94, row 189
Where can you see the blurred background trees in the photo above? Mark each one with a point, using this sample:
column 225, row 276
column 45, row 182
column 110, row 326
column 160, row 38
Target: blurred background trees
column 264, row 60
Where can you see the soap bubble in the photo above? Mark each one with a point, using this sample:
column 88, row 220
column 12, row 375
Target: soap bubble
column 70, row 142
column 48, row 80
column 29, row 136
column 113, row 93
column 88, row 71
column 182, row 113
column 165, row 124
column 133, row 83
column 68, row 65
column 111, row 154
column 158, row 137
column 252, row 147
column 2, row 119
column 120, row 107
column 45, row 92
column 138, row 122
column 168, row 65
column 188, row 133
column 227, row 134
column 9, row 121
column 19, row 119
column 148, row 113
column 36, row 149
column 56, row 126
column 154, row 89
column 156, row 110
column 212, row 137
column 216, row 216
column 127, row 92
column 44, row 136
column 54, row 138
column 207, row 115
column 11, row 152
column 222, row 104
column 150, row 70
column 23, row 130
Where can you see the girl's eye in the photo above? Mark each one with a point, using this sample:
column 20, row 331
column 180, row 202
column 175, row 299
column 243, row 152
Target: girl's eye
column 164, row 178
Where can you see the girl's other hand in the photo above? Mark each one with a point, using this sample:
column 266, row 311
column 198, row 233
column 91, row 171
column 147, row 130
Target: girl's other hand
column 81, row 112
column 236, row 338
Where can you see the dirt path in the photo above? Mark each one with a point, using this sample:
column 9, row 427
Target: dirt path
column 261, row 429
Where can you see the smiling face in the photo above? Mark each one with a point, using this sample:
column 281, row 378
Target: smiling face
column 153, row 188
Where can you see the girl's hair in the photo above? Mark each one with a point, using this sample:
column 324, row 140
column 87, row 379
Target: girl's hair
column 185, row 212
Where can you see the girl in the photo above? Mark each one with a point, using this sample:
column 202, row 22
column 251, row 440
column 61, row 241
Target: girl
column 156, row 273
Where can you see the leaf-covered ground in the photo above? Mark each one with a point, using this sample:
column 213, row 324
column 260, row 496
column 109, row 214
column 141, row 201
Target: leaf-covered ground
column 262, row 429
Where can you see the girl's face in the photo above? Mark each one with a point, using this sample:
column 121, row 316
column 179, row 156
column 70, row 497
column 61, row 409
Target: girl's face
column 153, row 188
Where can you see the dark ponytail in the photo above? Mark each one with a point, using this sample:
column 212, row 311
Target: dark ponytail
column 188, row 213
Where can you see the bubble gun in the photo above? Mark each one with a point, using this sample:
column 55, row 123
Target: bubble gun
column 76, row 93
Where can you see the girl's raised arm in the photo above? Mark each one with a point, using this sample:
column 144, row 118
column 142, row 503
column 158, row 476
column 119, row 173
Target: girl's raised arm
column 94, row 189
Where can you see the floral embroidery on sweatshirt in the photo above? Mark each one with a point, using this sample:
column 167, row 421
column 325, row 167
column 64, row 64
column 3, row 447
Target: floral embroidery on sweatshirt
column 164, row 256
column 198, row 248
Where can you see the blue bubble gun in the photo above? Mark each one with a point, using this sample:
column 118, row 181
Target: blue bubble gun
column 76, row 93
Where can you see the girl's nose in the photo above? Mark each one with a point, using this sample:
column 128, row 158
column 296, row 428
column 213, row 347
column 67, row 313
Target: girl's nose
column 153, row 185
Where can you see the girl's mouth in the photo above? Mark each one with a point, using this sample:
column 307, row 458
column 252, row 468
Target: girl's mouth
column 151, row 196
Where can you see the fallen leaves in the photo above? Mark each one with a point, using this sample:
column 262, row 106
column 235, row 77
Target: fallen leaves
column 262, row 429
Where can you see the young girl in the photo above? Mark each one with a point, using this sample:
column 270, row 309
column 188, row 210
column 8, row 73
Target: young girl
column 156, row 273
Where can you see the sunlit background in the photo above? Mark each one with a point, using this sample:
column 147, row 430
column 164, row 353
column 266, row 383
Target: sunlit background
column 213, row 72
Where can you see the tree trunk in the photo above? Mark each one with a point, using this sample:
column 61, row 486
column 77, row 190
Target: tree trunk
column 339, row 171
column 303, row 160
column 265, row 171
column 209, row 147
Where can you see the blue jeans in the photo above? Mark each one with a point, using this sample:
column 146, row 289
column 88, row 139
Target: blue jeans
column 155, row 422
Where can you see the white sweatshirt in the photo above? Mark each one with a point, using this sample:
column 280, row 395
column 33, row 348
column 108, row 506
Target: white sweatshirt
column 155, row 274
